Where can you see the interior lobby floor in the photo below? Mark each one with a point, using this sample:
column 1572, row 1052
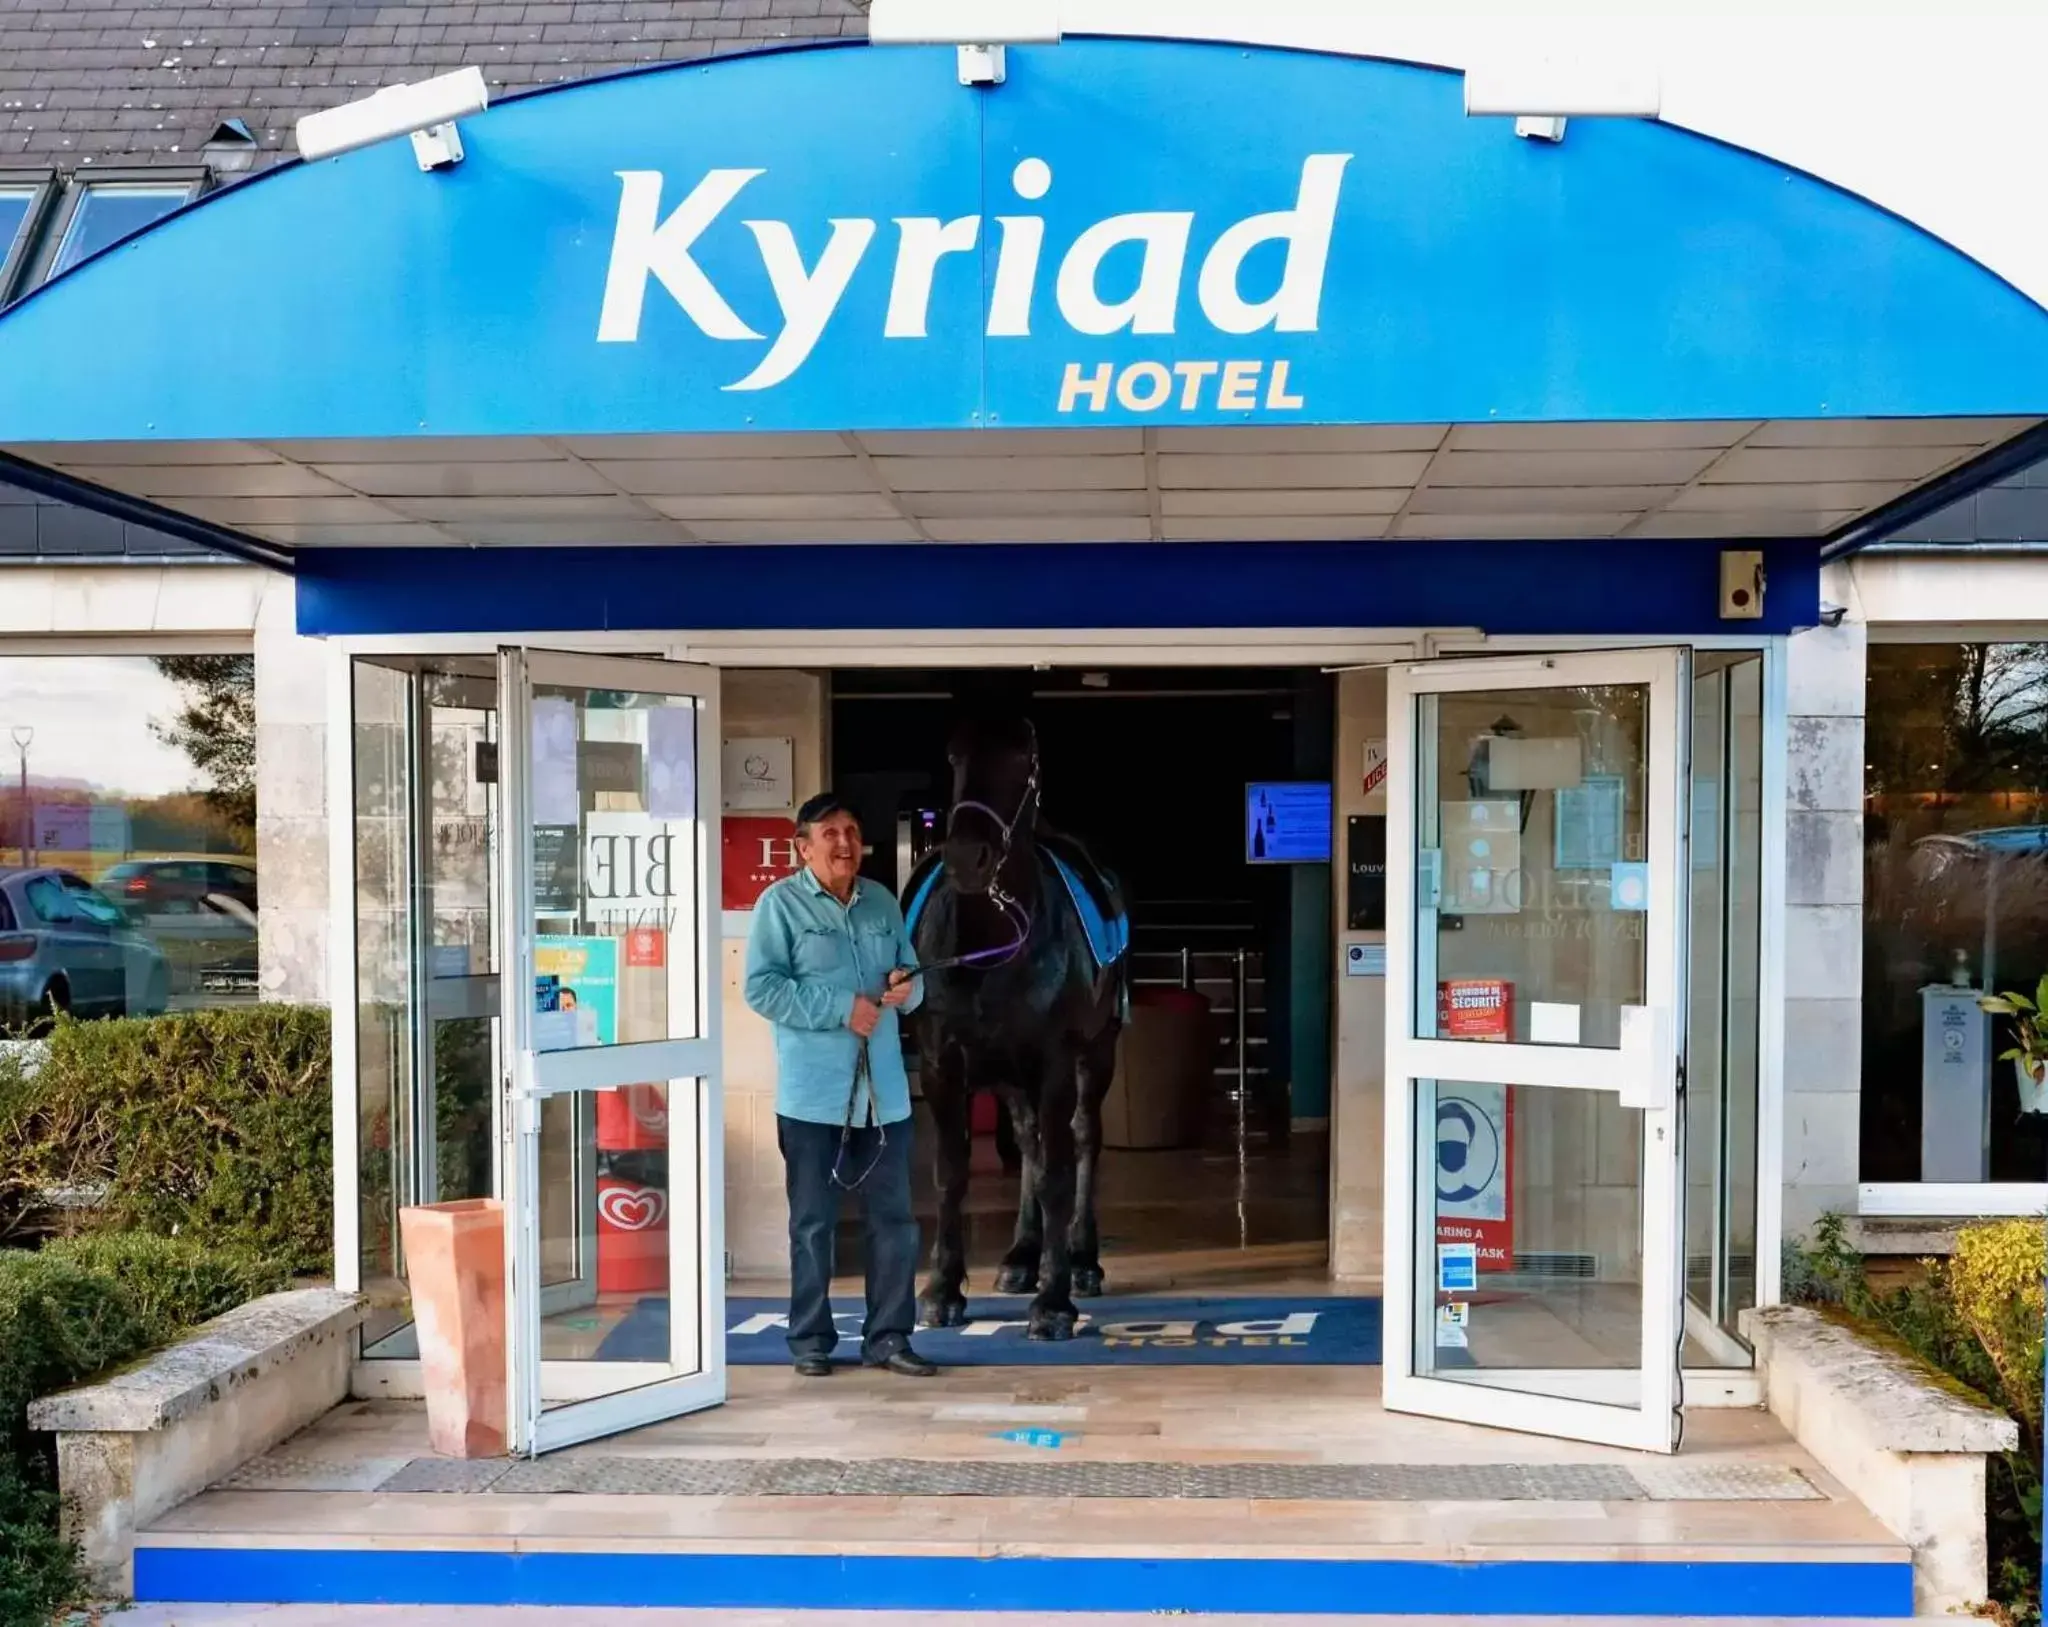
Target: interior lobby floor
column 1202, row 1199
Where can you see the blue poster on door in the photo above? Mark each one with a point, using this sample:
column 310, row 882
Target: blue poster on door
column 576, row 992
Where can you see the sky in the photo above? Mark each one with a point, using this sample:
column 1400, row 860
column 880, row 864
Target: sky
column 91, row 717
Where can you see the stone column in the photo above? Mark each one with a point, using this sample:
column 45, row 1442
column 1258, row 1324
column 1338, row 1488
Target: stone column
column 291, row 801
column 1358, row 1087
column 1823, row 922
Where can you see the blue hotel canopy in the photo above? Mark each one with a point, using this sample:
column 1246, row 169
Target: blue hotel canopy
column 1217, row 335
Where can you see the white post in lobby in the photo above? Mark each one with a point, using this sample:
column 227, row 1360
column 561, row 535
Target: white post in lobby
column 781, row 703
column 1823, row 925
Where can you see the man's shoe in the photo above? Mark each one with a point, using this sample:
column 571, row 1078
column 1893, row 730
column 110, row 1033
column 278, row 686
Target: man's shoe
column 907, row 1363
column 814, row 1367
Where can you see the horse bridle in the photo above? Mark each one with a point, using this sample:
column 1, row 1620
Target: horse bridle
column 1012, row 909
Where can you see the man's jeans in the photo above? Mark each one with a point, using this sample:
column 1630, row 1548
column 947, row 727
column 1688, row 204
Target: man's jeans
column 808, row 1152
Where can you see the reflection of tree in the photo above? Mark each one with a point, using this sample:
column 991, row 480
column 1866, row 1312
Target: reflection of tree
column 1956, row 743
column 215, row 727
column 1958, row 719
column 462, row 1108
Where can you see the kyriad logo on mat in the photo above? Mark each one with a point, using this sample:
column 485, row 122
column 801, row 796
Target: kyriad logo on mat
column 653, row 246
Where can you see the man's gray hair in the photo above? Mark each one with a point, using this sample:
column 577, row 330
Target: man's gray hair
column 819, row 808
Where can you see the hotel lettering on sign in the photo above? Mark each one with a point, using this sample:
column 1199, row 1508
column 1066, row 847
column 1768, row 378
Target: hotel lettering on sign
column 1137, row 273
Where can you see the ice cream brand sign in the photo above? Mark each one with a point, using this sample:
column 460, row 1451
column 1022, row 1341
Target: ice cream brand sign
column 656, row 241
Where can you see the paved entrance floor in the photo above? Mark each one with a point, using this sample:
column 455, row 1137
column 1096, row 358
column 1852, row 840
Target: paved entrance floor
column 1742, row 1513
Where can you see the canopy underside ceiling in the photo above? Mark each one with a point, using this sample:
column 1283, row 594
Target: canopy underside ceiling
column 1781, row 478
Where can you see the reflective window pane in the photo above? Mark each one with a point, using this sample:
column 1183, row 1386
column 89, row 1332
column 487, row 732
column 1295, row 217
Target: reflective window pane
column 425, row 737
column 128, row 783
column 1721, row 1064
column 1532, row 879
column 1955, row 901
column 15, row 204
column 385, row 1094
column 106, row 214
column 1541, row 1190
column 615, row 862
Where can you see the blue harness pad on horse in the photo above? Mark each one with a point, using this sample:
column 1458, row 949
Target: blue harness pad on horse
column 1108, row 936
column 918, row 900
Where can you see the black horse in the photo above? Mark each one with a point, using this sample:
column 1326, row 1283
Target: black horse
column 1017, row 1000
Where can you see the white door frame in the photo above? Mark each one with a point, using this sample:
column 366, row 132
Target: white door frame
column 1333, row 648
column 1638, row 1408
column 601, row 1398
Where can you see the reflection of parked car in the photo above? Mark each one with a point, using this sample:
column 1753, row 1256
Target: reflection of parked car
column 65, row 947
column 200, row 911
column 181, row 884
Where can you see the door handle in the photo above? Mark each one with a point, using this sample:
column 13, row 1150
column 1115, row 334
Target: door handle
column 522, row 1096
column 1649, row 1065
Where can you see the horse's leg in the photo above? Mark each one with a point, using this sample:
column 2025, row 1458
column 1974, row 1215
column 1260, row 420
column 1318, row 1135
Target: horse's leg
column 1018, row 1274
column 1007, row 1150
column 1096, row 1065
column 942, row 1305
column 1053, row 1314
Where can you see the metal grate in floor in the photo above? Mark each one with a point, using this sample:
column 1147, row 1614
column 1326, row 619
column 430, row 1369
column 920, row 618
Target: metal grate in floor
column 293, row 1471
column 1656, row 1481
column 904, row 1477
column 1677, row 1480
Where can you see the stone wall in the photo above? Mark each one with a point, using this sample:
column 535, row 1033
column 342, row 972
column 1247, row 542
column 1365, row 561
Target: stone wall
column 291, row 801
column 1823, row 935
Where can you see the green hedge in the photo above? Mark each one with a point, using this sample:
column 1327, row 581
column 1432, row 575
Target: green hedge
column 1977, row 1317
column 169, row 1284
column 67, row 1313
column 210, row 1125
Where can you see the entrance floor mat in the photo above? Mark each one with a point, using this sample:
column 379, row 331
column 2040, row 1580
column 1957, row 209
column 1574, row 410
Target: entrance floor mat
column 1115, row 1331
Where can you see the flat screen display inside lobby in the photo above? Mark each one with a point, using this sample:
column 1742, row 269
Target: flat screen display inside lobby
column 1287, row 822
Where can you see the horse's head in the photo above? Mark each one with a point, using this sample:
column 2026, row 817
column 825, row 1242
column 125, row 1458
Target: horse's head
column 995, row 798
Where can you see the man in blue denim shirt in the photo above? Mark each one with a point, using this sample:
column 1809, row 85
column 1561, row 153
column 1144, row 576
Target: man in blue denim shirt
column 830, row 965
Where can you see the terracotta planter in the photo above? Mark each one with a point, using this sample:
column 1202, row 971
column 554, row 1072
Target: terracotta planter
column 455, row 1265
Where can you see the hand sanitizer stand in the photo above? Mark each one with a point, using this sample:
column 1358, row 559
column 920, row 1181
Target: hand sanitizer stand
column 1955, row 1085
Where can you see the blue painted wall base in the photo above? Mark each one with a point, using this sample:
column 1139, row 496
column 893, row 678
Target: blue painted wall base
column 886, row 1582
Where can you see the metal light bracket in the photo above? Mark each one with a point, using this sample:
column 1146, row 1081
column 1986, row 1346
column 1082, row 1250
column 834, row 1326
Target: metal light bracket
column 439, row 146
column 981, row 64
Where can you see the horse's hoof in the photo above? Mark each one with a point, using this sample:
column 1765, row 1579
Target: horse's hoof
column 1016, row 1279
column 945, row 1311
column 1087, row 1284
column 1051, row 1325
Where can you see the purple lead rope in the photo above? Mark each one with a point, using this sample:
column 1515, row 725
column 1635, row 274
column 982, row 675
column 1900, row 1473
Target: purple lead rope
column 1002, row 954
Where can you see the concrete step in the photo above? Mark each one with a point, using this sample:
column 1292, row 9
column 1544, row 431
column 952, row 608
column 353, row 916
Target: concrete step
column 266, row 1615
column 1040, row 1557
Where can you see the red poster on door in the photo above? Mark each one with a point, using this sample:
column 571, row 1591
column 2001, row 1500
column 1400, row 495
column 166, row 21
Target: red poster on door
column 1480, row 1008
column 756, row 853
column 1475, row 1135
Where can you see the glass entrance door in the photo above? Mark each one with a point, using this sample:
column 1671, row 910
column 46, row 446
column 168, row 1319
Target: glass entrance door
column 1534, row 1026
column 609, row 1005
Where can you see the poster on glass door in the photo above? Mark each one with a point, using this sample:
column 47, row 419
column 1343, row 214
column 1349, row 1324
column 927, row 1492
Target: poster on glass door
column 1474, row 1171
column 575, row 995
